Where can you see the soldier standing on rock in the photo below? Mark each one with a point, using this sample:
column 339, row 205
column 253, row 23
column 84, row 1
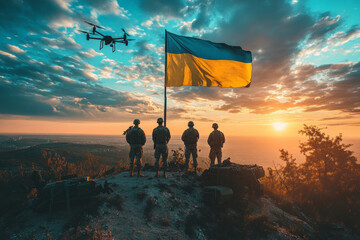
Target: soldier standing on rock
column 216, row 141
column 136, row 138
column 190, row 138
column 161, row 137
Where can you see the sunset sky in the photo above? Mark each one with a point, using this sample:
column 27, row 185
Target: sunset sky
column 306, row 67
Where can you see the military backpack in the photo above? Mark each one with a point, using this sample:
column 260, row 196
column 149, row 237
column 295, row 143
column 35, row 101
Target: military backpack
column 191, row 136
column 161, row 135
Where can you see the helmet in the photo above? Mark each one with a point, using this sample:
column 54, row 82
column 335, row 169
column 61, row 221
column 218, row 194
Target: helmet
column 160, row 120
column 191, row 124
column 215, row 125
column 136, row 121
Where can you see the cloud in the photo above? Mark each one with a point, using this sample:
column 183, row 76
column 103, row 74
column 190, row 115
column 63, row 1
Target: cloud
column 33, row 14
column 61, row 87
column 90, row 54
column 146, row 68
column 136, row 31
column 166, row 8
column 343, row 124
column 61, row 41
column 156, row 21
column 7, row 54
column 58, row 68
column 340, row 38
column 15, row 49
column 324, row 26
column 143, row 47
column 107, row 7
column 205, row 13
column 337, row 118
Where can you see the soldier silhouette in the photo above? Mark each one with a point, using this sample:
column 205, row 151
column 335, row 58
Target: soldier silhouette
column 136, row 138
column 190, row 138
column 161, row 137
column 216, row 141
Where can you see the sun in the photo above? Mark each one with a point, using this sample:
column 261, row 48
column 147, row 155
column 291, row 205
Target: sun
column 279, row 126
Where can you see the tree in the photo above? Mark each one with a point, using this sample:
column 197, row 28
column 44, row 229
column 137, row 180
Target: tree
column 327, row 184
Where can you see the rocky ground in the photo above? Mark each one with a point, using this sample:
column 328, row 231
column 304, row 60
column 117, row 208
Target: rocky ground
column 158, row 208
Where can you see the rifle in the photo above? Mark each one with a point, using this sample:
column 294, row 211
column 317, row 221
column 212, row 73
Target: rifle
column 127, row 130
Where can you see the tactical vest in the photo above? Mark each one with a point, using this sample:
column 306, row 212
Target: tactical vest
column 190, row 137
column 161, row 135
column 216, row 139
column 135, row 136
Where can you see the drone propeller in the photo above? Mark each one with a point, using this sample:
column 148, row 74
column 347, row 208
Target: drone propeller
column 86, row 32
column 130, row 39
column 94, row 25
column 83, row 31
column 125, row 32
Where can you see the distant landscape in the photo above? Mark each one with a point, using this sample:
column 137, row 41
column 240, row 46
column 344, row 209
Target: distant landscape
column 110, row 150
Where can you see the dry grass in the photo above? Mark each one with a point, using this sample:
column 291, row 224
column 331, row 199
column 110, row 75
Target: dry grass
column 88, row 233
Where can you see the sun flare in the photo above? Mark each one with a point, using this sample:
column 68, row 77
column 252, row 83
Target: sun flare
column 279, row 126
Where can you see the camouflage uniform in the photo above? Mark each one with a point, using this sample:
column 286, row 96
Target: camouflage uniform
column 136, row 138
column 161, row 137
column 190, row 138
column 216, row 141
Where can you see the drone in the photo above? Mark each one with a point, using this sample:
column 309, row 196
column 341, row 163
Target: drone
column 106, row 39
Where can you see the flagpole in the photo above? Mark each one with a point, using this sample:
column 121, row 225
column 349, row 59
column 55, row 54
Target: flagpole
column 165, row 100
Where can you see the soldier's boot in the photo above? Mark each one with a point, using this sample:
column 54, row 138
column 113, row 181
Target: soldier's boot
column 165, row 175
column 157, row 173
column 131, row 171
column 195, row 170
column 186, row 168
column 139, row 174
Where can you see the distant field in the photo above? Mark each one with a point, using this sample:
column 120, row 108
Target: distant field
column 109, row 155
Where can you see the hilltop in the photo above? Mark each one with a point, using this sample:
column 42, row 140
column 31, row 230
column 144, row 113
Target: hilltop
column 158, row 208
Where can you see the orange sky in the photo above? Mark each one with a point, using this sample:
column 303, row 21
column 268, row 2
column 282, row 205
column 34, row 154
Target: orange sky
column 259, row 128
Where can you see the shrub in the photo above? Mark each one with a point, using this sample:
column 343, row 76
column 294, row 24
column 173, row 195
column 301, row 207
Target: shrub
column 177, row 160
column 326, row 185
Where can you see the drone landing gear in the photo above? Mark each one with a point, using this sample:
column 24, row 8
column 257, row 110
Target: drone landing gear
column 101, row 44
column 113, row 47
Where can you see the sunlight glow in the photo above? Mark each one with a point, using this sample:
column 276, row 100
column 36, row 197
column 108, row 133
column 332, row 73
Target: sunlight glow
column 279, row 126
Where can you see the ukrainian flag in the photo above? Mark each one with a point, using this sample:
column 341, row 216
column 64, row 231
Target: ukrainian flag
column 196, row 62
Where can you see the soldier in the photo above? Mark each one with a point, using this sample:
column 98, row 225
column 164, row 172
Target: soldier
column 216, row 141
column 161, row 137
column 190, row 138
column 136, row 138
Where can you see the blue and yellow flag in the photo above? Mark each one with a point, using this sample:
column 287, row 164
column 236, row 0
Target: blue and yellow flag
column 196, row 62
